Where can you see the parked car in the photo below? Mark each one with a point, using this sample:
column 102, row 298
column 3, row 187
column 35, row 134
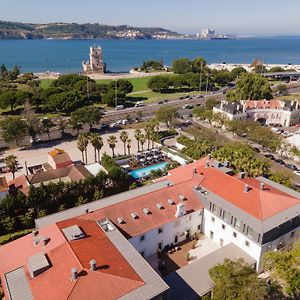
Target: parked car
column 104, row 126
column 114, row 125
column 161, row 102
column 256, row 149
column 187, row 106
column 279, row 161
column 139, row 104
column 190, row 115
column 291, row 167
column 297, row 172
column 270, row 156
column 166, row 101
column 188, row 122
column 119, row 107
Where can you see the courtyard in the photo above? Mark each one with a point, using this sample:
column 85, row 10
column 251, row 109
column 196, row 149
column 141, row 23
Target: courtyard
column 184, row 253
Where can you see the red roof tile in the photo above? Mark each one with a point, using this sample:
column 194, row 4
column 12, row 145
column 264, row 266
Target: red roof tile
column 259, row 204
column 133, row 227
column 263, row 104
column 113, row 278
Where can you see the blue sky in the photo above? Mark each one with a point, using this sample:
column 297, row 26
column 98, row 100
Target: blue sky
column 254, row 17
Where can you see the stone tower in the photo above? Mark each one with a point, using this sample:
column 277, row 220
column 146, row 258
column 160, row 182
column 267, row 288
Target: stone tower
column 95, row 64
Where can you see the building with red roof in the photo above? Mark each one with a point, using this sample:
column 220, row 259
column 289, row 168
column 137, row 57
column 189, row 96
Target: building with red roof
column 76, row 259
column 270, row 112
column 102, row 244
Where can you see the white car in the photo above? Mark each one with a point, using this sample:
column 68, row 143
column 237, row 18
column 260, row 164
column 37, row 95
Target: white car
column 113, row 125
column 297, row 172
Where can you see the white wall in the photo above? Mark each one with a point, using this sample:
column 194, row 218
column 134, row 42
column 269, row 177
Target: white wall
column 226, row 234
column 175, row 157
column 152, row 238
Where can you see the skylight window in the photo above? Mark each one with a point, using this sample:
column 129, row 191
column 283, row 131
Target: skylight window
column 159, row 206
column 134, row 215
column 120, row 220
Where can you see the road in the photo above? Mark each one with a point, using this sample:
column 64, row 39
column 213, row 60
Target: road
column 114, row 115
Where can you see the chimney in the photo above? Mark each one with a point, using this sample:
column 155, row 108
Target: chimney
column 209, row 156
column 180, row 210
column 45, row 240
column 87, row 210
column 242, row 175
column 194, row 171
column 35, row 233
column 74, row 274
column 93, row 265
column 207, row 164
column 246, row 188
column 261, row 186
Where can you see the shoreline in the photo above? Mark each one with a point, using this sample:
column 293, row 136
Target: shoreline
column 108, row 76
column 136, row 74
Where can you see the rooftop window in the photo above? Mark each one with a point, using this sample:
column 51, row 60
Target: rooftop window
column 159, row 206
column 134, row 215
column 171, row 202
column 120, row 220
column 146, row 211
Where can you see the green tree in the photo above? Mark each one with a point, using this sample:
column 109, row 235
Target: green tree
column 47, row 125
column 8, row 99
column 166, row 114
column 276, row 70
column 260, row 69
column 237, row 72
column 97, row 143
column 198, row 64
column 128, row 146
column 142, row 140
column 182, row 66
column 82, row 144
column 124, row 138
column 112, row 141
column 160, row 83
column 12, row 164
column 34, row 126
column 14, row 129
column 222, row 78
column 235, row 280
column 62, row 124
column 284, row 269
column 137, row 135
column 122, row 85
column 109, row 98
column 86, row 115
column 254, row 87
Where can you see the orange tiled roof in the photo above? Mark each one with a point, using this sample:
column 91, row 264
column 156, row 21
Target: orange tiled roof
column 157, row 217
column 263, row 104
column 260, row 204
column 113, row 279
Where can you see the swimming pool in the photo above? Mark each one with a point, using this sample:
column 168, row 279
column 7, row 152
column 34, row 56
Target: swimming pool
column 140, row 173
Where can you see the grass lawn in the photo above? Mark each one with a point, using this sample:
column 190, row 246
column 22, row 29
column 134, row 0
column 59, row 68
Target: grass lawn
column 44, row 83
column 139, row 83
column 150, row 97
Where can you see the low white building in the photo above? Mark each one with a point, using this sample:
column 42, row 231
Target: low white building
column 270, row 112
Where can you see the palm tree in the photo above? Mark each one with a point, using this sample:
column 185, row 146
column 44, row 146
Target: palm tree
column 97, row 143
column 124, row 137
column 112, row 141
column 128, row 146
column 137, row 135
column 12, row 164
column 142, row 140
column 82, row 143
column 148, row 133
column 155, row 130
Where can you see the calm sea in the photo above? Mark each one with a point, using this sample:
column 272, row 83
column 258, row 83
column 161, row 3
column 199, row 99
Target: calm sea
column 121, row 55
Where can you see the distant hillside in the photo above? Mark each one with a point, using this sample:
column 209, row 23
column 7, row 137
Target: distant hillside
column 13, row 30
